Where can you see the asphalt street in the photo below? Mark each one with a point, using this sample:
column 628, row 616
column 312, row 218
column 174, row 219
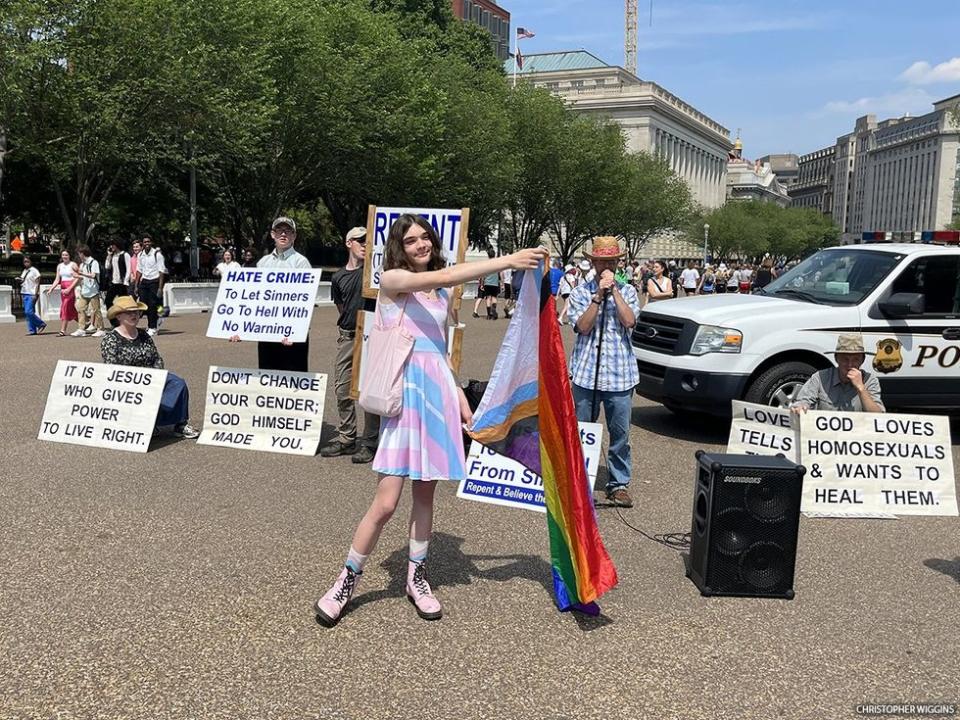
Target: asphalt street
column 179, row 584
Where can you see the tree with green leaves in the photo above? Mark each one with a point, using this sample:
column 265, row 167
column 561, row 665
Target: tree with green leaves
column 653, row 202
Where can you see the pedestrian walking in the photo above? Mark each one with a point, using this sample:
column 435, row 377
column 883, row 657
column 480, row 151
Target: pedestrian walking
column 117, row 265
column 225, row 265
column 708, row 283
column 690, row 279
column 88, row 295
column 572, row 277
column 151, row 269
column 424, row 442
column 488, row 290
column 66, row 281
column 603, row 369
column 659, row 285
column 30, row 293
column 136, row 247
column 346, row 287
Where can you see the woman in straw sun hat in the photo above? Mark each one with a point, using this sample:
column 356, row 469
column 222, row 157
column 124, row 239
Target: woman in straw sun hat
column 129, row 345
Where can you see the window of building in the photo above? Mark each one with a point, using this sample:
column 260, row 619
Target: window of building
column 601, row 82
column 938, row 279
column 576, row 84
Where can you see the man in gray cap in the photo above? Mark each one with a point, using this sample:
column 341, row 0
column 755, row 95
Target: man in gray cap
column 346, row 287
column 846, row 387
column 283, row 355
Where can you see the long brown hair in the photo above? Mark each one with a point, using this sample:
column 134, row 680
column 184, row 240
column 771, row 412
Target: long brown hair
column 396, row 257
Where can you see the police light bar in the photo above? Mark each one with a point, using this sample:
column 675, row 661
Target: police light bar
column 929, row 237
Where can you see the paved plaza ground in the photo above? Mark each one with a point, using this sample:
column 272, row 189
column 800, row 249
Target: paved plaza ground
column 179, row 584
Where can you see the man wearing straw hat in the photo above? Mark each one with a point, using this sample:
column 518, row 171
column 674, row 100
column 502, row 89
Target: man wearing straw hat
column 603, row 368
column 846, row 387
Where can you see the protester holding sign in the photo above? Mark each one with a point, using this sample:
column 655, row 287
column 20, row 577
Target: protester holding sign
column 66, row 280
column 602, row 367
column 127, row 344
column 284, row 355
column 424, row 442
column 346, row 287
column 845, row 387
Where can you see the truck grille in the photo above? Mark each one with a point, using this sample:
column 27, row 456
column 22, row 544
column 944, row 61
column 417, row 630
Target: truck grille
column 661, row 334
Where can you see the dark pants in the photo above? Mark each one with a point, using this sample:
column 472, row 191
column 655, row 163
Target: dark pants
column 150, row 296
column 113, row 292
column 174, row 403
column 275, row 356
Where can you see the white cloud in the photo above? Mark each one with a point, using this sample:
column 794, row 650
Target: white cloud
column 915, row 101
column 923, row 73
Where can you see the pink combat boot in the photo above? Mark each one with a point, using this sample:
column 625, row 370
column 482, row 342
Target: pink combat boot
column 419, row 592
column 329, row 607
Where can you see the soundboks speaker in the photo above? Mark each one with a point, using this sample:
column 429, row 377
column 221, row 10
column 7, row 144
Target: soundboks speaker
column 746, row 513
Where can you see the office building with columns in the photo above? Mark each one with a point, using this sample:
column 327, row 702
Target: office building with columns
column 897, row 175
column 814, row 187
column 654, row 120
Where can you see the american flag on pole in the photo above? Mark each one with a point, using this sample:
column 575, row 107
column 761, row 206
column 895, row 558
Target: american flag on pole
column 523, row 33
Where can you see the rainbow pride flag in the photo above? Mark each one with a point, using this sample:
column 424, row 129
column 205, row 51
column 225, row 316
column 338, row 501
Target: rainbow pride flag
column 527, row 414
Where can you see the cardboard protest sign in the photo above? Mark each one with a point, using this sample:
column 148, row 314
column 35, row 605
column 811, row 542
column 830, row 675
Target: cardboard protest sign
column 265, row 304
column 451, row 226
column 763, row 430
column 365, row 321
column 111, row 406
column 877, row 463
column 498, row 480
column 267, row 410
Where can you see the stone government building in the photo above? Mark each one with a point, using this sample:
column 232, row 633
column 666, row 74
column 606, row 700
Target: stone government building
column 654, row 121
column 898, row 175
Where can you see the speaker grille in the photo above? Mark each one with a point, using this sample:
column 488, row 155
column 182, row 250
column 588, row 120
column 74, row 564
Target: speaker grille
column 746, row 544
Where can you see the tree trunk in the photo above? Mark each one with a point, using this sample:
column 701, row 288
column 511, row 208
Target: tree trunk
column 3, row 158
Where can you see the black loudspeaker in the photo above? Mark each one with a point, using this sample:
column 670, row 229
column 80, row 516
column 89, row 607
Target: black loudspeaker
column 746, row 514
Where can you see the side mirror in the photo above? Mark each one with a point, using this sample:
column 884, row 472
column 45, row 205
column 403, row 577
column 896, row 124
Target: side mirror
column 903, row 305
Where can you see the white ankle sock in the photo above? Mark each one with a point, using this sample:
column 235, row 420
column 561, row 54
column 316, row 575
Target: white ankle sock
column 355, row 561
column 418, row 550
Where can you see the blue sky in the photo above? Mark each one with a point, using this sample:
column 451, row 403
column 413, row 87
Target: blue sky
column 791, row 74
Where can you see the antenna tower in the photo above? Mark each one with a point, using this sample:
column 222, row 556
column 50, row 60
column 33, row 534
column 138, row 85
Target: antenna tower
column 630, row 36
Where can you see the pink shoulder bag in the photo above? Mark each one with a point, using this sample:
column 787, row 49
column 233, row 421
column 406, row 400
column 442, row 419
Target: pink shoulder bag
column 388, row 349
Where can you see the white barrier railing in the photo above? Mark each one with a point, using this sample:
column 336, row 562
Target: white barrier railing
column 471, row 289
column 187, row 298
column 50, row 305
column 6, row 305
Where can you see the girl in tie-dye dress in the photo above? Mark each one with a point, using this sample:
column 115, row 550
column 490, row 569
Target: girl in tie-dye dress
column 424, row 442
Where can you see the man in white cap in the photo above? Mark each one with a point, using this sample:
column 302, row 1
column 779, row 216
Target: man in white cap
column 846, row 387
column 284, row 355
column 346, row 287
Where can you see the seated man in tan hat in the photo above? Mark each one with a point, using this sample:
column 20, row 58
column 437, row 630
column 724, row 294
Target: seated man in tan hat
column 845, row 387
column 127, row 344
column 603, row 368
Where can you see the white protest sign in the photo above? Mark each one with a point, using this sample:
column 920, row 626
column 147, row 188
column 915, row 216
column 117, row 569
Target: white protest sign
column 451, row 226
column 877, row 463
column 493, row 478
column 763, row 430
column 111, row 406
column 267, row 410
column 265, row 304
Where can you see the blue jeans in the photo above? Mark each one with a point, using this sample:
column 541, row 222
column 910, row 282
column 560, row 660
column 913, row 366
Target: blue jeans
column 34, row 322
column 616, row 407
column 174, row 403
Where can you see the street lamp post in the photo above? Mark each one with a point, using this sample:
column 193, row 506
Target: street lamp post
column 706, row 236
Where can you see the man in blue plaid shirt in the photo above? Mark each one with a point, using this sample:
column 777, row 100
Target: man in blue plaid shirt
column 618, row 305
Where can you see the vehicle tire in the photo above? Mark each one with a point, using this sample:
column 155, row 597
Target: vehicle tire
column 777, row 385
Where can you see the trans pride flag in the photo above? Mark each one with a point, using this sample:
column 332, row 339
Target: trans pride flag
column 527, row 414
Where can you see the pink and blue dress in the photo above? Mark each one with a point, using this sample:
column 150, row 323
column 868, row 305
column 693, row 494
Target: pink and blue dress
column 425, row 441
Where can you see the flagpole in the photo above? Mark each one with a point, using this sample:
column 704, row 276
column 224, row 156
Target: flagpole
column 515, row 42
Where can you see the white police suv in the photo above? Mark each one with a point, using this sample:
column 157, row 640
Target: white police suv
column 698, row 354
